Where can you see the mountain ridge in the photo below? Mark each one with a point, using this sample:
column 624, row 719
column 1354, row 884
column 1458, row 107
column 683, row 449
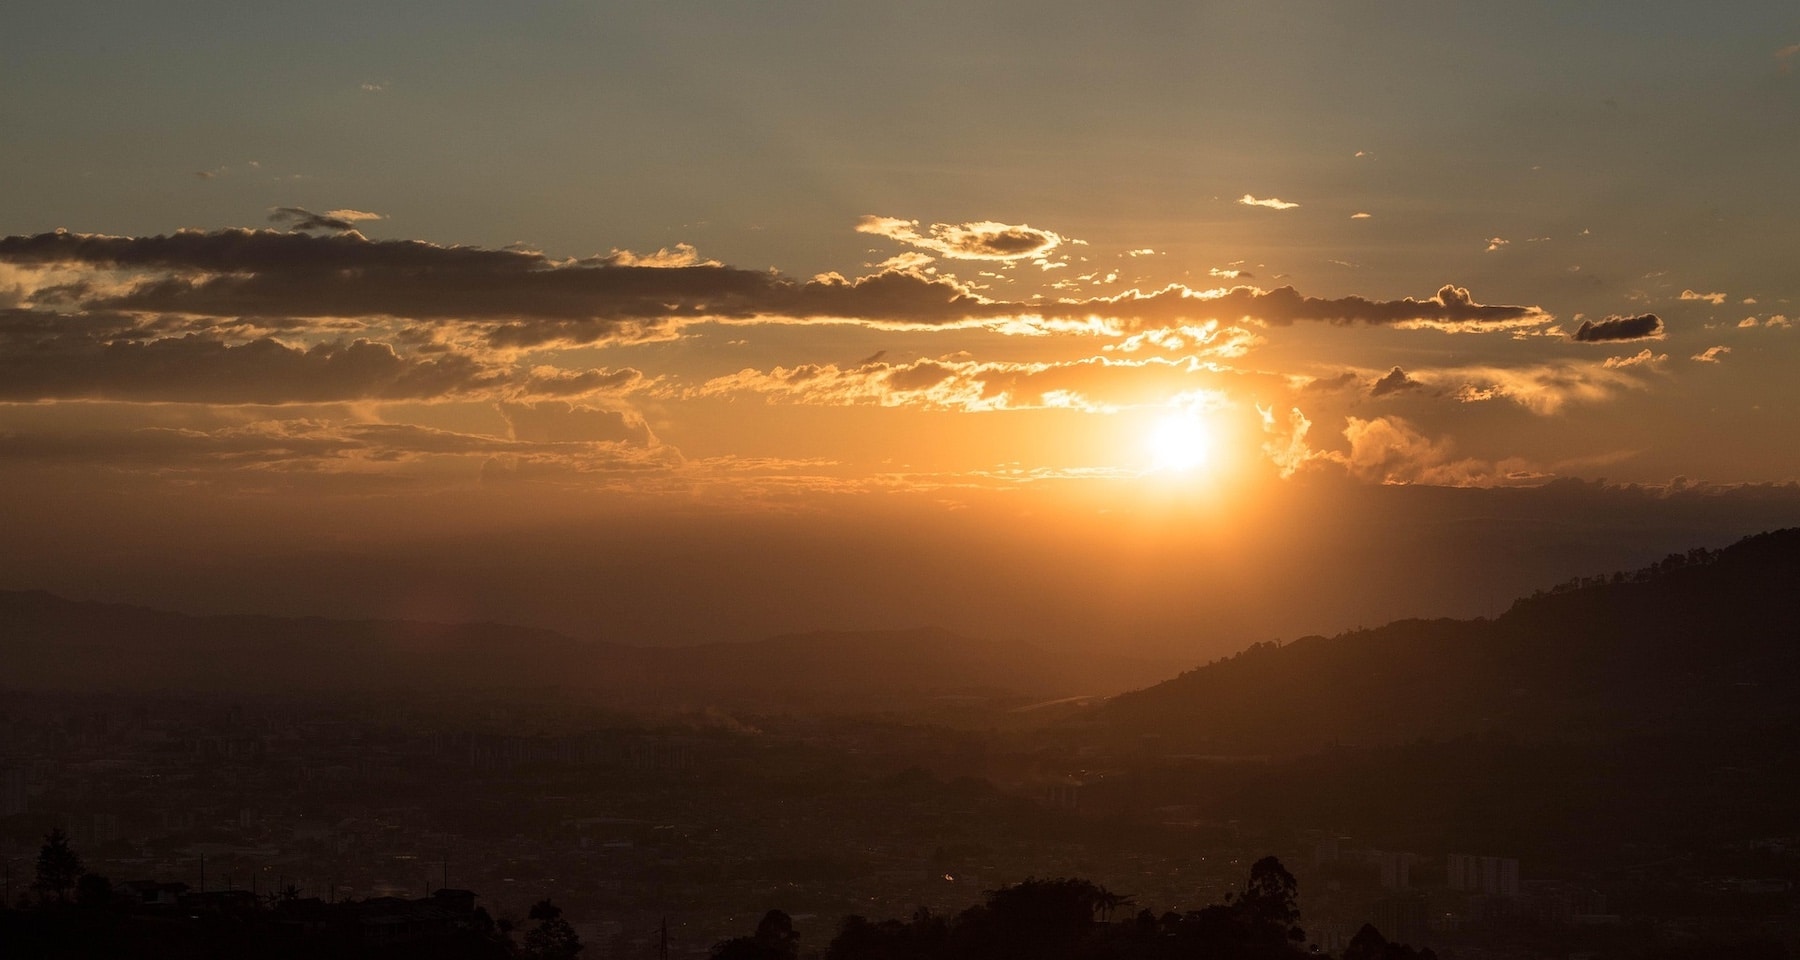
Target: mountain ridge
column 1711, row 635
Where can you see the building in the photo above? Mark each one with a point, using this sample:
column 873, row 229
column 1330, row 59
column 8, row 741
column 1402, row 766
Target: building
column 1402, row 917
column 1494, row 876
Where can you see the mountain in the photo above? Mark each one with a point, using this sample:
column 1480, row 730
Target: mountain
column 1705, row 645
column 50, row 643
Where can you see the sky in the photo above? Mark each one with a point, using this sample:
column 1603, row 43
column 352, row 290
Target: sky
column 1128, row 323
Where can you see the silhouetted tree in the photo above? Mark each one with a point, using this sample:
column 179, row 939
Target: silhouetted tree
column 921, row 938
column 1268, row 900
column 1056, row 920
column 553, row 938
column 1369, row 944
column 1032, row 920
column 1109, row 901
column 775, row 939
column 58, row 866
column 93, row 890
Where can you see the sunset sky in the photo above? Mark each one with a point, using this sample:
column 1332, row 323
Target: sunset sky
column 851, row 315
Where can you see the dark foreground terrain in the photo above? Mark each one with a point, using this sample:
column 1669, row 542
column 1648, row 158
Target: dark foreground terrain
column 1605, row 770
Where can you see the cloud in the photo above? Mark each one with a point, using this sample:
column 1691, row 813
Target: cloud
column 311, row 446
column 558, row 421
column 1395, row 381
column 1342, row 381
column 1785, row 56
column 1643, row 358
column 1544, row 389
column 1390, row 450
column 521, row 299
column 1711, row 355
column 1716, row 299
column 1361, row 216
column 302, row 219
column 1649, row 326
column 979, row 240
column 550, row 382
column 1286, row 447
column 1209, row 339
column 1452, row 309
column 682, row 255
column 1495, row 243
column 1273, row 203
column 198, row 368
column 1095, row 384
column 98, row 356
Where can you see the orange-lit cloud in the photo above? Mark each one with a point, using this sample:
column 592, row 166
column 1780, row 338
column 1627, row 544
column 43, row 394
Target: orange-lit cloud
column 1392, row 451
column 1287, row 447
column 309, row 445
column 979, row 240
column 1643, row 358
column 1544, row 389
column 1096, row 384
column 1273, row 203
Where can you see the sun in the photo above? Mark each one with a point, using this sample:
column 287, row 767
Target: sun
column 1179, row 443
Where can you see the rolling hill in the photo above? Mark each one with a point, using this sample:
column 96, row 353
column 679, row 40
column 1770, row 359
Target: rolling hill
column 1707, row 642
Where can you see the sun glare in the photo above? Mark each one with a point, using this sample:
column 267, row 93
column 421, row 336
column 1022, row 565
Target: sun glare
column 1179, row 443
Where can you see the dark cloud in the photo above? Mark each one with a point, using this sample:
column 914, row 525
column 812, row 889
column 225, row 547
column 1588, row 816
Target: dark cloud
column 523, row 299
column 206, row 369
column 1615, row 329
column 555, row 382
column 112, row 356
column 1395, row 381
column 981, row 240
column 1451, row 308
column 302, row 219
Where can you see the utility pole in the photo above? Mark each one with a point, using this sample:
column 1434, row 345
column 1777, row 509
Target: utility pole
column 662, row 946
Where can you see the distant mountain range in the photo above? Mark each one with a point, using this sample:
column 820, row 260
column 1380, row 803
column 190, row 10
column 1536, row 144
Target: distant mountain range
column 50, row 643
column 1706, row 641
column 1702, row 645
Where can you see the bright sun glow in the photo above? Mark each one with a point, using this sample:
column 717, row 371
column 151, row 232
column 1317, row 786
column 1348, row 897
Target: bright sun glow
column 1179, row 442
